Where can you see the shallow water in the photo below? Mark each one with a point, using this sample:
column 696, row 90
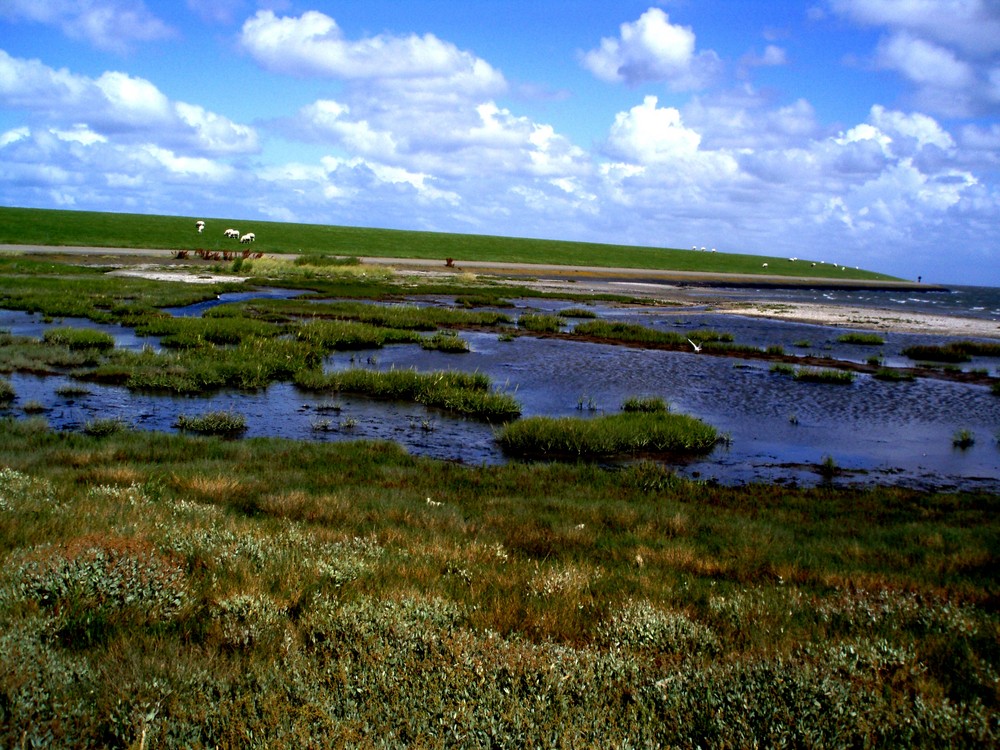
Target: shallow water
column 780, row 430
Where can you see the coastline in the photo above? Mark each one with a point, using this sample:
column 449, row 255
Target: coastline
column 683, row 288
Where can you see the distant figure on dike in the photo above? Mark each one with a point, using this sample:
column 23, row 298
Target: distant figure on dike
column 920, row 279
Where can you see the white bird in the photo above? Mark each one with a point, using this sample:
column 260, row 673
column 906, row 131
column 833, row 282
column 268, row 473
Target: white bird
column 697, row 347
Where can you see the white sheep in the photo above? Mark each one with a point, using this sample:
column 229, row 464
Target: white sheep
column 233, row 233
column 248, row 237
column 763, row 265
column 200, row 224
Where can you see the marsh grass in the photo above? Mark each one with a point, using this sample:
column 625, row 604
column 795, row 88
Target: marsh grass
column 628, row 332
column 79, row 338
column 629, row 433
column 7, row 392
column 893, row 375
column 814, row 374
column 862, row 339
column 538, row 323
column 213, row 423
column 469, row 394
column 824, row 375
column 445, row 341
column 104, row 426
column 309, row 594
column 649, row 404
column 949, row 353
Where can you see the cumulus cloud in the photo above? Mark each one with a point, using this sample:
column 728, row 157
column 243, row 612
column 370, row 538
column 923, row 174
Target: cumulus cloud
column 947, row 49
column 109, row 25
column 118, row 104
column 313, row 45
column 652, row 49
column 969, row 25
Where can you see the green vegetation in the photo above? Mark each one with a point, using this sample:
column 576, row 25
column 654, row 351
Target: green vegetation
column 213, row 423
column 104, row 426
column 814, row 374
column 629, row 333
column 469, row 394
column 629, row 433
column 649, row 404
column 7, row 393
column 445, row 341
column 79, row 338
column 308, row 594
column 891, row 374
column 863, row 339
column 537, row 323
column 947, row 353
column 49, row 227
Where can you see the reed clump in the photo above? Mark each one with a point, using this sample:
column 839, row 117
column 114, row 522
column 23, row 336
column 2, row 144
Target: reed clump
column 538, row 323
column 7, row 392
column 629, row 433
column 445, row 341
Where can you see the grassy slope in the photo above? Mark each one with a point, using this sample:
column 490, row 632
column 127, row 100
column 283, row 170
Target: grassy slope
column 68, row 228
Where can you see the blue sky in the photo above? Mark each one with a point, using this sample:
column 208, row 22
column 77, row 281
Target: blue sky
column 862, row 132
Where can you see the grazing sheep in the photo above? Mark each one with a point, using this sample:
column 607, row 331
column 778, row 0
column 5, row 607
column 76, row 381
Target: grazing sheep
column 248, row 238
column 200, row 224
column 233, row 233
column 763, row 265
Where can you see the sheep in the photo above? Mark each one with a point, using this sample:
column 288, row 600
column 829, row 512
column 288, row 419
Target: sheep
column 763, row 265
column 200, row 224
column 248, row 238
column 233, row 233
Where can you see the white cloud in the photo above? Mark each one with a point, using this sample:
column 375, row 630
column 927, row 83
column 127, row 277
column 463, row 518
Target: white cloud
column 923, row 62
column 652, row 49
column 313, row 45
column 969, row 25
column 118, row 105
column 109, row 25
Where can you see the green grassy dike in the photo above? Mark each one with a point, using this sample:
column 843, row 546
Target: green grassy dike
column 177, row 591
column 93, row 229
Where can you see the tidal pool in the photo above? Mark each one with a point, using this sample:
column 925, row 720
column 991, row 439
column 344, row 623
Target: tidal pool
column 779, row 430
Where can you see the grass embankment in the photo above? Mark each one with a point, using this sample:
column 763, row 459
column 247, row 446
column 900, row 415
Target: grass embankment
column 68, row 228
column 169, row 591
